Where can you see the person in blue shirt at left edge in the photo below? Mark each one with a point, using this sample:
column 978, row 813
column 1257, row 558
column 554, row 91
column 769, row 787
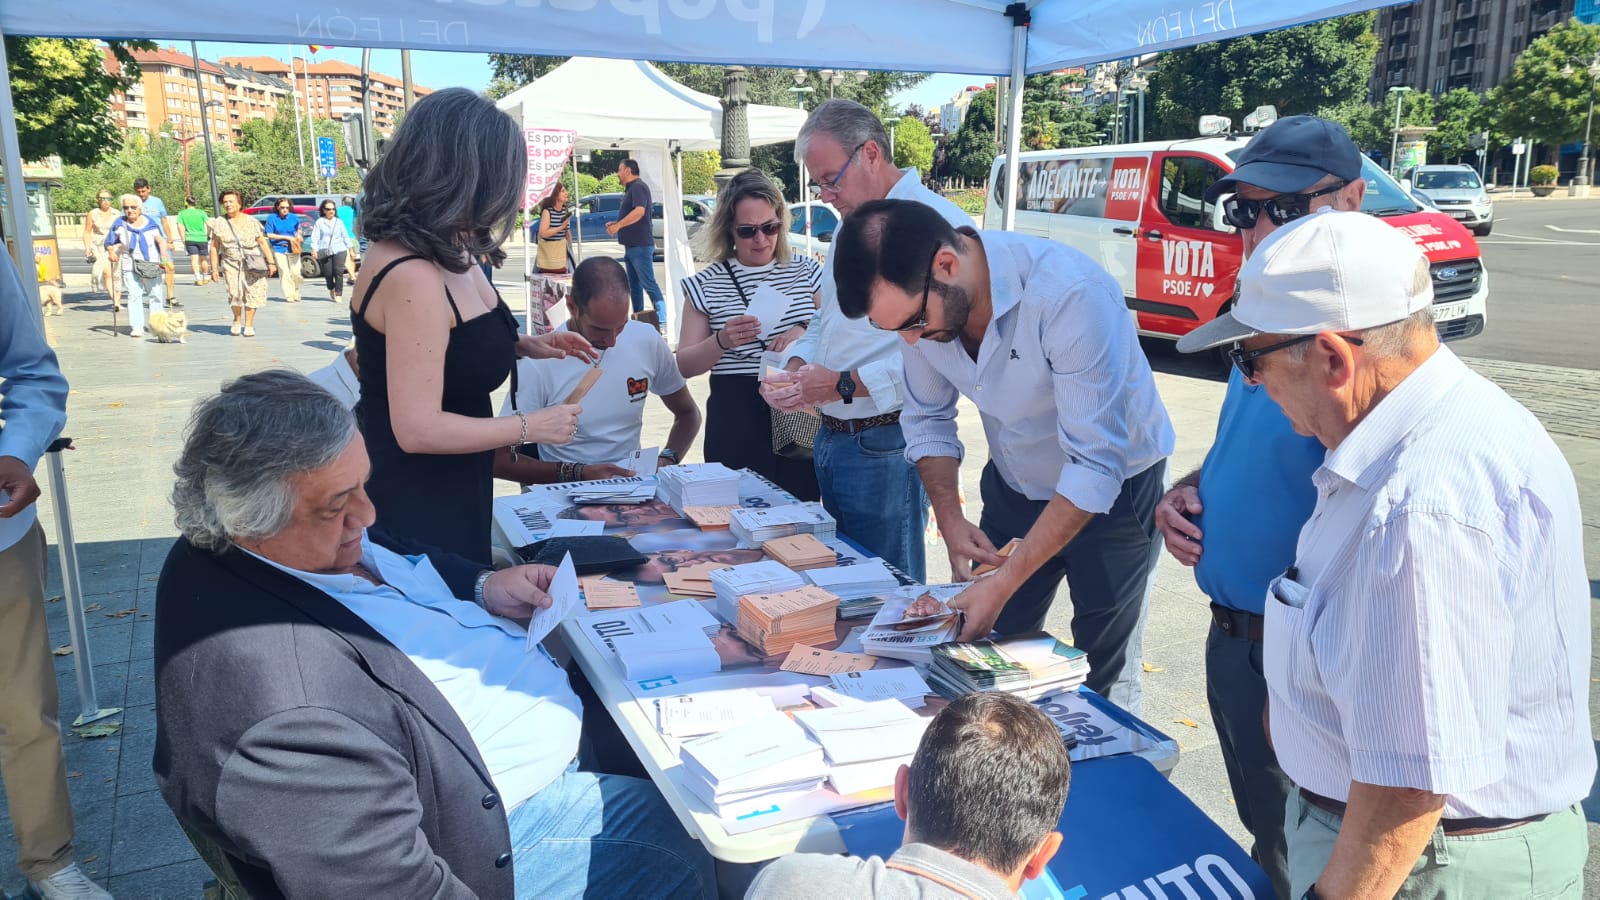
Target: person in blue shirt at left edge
column 157, row 210
column 34, row 407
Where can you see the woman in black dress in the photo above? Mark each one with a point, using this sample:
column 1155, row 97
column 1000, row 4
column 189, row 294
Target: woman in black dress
column 433, row 335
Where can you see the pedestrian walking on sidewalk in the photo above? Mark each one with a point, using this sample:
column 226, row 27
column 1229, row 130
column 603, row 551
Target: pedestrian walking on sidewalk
column 240, row 252
column 331, row 244
column 96, row 228
column 139, row 248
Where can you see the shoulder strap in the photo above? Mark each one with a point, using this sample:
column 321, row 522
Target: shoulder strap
column 743, row 297
column 378, row 279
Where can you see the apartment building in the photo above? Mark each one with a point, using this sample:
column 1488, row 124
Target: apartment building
column 334, row 87
column 166, row 93
column 1439, row 45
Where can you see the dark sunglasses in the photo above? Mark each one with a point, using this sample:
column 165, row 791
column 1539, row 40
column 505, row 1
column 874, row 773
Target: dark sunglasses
column 749, row 231
column 1245, row 360
column 1242, row 213
column 329, row 209
column 107, row 199
column 921, row 321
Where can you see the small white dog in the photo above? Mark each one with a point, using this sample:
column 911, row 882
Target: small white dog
column 169, row 327
column 50, row 298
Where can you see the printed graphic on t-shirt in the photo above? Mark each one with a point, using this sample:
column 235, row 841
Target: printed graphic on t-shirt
column 637, row 389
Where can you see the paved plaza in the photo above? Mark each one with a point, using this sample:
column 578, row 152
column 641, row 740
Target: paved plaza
column 130, row 400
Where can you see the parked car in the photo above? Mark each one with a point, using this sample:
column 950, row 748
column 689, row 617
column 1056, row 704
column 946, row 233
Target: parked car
column 811, row 228
column 596, row 211
column 1457, row 192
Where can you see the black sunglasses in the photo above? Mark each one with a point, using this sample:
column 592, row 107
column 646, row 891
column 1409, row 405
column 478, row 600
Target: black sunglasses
column 1242, row 213
column 1245, row 360
column 767, row 228
column 921, row 321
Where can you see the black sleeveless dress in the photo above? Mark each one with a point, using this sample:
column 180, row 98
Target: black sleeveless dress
column 443, row 500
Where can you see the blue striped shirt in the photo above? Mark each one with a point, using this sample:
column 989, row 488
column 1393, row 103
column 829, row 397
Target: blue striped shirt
column 138, row 242
column 1440, row 639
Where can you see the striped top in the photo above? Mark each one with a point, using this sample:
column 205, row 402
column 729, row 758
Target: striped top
column 558, row 218
column 1437, row 634
column 138, row 242
column 712, row 292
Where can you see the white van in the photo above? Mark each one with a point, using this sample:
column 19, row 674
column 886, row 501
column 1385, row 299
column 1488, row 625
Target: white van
column 1139, row 211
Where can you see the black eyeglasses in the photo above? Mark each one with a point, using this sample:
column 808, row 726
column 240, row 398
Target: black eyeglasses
column 749, row 231
column 921, row 321
column 329, row 209
column 832, row 187
column 106, row 199
column 1242, row 213
column 1245, row 360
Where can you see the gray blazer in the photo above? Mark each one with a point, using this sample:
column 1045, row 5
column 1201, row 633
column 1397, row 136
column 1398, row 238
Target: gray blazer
column 310, row 749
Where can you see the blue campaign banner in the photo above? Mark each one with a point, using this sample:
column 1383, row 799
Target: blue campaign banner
column 1127, row 833
column 326, row 159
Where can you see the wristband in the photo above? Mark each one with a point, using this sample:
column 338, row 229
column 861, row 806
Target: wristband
column 522, row 440
column 718, row 338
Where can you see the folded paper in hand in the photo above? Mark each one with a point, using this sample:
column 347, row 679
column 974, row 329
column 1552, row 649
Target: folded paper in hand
column 565, row 597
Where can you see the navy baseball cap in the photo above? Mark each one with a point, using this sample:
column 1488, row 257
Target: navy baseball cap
column 1292, row 154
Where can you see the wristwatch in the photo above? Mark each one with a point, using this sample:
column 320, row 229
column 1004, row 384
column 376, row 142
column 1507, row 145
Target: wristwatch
column 669, row 454
column 847, row 387
column 477, row 588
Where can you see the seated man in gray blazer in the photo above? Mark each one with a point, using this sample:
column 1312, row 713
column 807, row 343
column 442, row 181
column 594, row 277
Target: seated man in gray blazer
column 346, row 714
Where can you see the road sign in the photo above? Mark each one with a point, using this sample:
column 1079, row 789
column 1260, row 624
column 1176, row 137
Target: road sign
column 325, row 157
column 1516, row 149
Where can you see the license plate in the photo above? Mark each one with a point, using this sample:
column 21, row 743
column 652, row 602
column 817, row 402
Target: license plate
column 1457, row 213
column 1446, row 312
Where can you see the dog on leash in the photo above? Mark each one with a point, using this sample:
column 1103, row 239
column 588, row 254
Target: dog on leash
column 169, row 327
column 50, row 298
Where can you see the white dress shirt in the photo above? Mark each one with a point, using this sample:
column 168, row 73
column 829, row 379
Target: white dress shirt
column 1437, row 634
column 844, row 345
column 515, row 702
column 1066, row 396
column 338, row 379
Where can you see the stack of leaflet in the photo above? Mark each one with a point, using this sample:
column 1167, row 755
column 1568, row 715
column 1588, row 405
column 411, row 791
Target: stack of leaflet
column 754, row 527
column 610, row 493
column 774, row 623
column 768, row 755
column 800, row 552
column 867, row 578
column 730, row 583
column 865, row 743
column 674, row 652
column 700, row 484
column 1028, row 665
column 912, row 622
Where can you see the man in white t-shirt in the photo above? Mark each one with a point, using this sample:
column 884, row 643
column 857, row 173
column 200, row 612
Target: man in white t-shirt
column 634, row 363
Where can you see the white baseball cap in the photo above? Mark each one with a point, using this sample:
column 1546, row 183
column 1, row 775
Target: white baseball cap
column 1329, row 271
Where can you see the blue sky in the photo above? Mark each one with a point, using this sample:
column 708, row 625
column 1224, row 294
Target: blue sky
column 435, row 69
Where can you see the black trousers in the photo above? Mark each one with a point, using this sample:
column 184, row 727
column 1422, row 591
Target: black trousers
column 1107, row 568
column 333, row 271
column 739, row 435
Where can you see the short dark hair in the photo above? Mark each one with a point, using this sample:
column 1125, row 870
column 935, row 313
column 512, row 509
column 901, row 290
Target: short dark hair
column 632, row 164
column 189, row 200
column 595, row 276
column 141, row 183
column 989, row 780
column 449, row 181
column 236, row 195
column 890, row 240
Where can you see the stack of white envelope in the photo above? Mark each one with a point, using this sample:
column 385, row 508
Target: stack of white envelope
column 865, row 743
column 766, row 756
column 698, row 484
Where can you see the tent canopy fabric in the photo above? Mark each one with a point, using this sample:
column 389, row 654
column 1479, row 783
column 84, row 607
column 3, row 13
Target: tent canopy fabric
column 624, row 104
column 966, row 36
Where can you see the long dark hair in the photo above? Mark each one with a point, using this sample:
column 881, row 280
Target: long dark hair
column 550, row 201
column 449, row 181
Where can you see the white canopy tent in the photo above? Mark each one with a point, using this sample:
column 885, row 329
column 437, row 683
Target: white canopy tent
column 624, row 104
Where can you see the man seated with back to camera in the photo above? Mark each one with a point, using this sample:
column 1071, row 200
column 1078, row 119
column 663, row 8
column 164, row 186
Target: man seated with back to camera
column 981, row 800
column 344, row 713
column 634, row 361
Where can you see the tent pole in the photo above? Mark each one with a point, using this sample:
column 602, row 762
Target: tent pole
column 577, row 206
column 1020, row 18
column 16, row 224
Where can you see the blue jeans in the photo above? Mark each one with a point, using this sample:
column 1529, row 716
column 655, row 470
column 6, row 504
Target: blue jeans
column 605, row 835
column 641, row 266
column 875, row 495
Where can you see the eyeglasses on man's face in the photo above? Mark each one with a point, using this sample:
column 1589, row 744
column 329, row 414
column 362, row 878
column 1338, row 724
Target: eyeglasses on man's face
column 1245, row 360
column 921, row 320
column 1242, row 212
column 746, row 232
column 832, row 187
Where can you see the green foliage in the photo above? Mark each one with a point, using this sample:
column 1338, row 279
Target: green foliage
column 1543, row 175
column 913, row 144
column 509, row 71
column 1363, row 120
column 973, row 150
column 1539, row 102
column 610, row 184
column 587, row 184
column 1298, row 70
column 62, row 91
column 972, row 202
column 699, row 172
column 1456, row 115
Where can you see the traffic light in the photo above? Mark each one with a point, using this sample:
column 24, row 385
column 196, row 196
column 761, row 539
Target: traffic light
column 358, row 147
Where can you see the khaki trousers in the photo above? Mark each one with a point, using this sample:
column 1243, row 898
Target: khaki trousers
column 30, row 735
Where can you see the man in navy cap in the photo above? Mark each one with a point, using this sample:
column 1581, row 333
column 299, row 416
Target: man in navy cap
column 1255, row 484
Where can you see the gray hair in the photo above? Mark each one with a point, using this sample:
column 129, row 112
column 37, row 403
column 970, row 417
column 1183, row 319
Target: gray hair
column 1389, row 341
column 241, row 449
column 847, row 122
column 130, row 199
column 716, row 239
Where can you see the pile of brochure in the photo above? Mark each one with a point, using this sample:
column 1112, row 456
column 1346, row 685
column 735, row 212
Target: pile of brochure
column 800, row 552
column 754, row 527
column 912, row 622
column 774, row 623
column 867, row 578
column 709, row 712
column 1028, row 665
column 674, row 652
column 730, row 583
column 768, row 755
column 865, row 743
column 606, row 493
column 698, row 484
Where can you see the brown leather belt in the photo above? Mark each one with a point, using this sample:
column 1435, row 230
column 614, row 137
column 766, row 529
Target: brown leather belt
column 1238, row 623
column 1452, row 827
column 856, row 426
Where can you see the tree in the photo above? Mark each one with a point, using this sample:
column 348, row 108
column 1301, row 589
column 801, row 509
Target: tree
column 62, row 93
column 1455, row 121
column 700, row 168
column 913, row 144
column 509, row 71
column 1539, row 102
column 1298, row 70
column 973, row 151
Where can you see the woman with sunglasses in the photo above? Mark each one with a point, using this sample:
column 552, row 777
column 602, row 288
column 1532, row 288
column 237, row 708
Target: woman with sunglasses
column 96, row 227
column 748, row 243
column 138, row 238
column 330, row 243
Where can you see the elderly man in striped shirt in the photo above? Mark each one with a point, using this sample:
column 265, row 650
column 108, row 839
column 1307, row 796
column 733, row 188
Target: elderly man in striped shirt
column 1427, row 655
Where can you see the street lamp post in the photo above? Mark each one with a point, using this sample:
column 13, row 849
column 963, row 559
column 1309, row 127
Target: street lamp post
column 1394, row 145
column 187, row 190
column 1139, row 82
column 1586, row 176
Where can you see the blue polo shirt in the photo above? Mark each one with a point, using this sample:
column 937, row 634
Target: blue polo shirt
column 1256, row 490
